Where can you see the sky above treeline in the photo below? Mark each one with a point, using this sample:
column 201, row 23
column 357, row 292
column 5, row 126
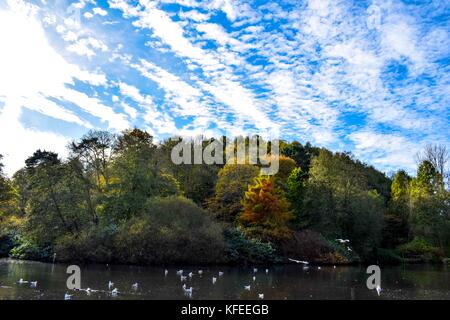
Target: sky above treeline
column 370, row 77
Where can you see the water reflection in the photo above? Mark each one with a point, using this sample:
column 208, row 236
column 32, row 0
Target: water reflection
column 281, row 282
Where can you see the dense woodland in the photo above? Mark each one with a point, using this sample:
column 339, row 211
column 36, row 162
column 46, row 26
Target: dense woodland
column 120, row 199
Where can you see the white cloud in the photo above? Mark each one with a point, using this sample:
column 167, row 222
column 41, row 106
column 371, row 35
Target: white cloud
column 31, row 73
column 100, row 11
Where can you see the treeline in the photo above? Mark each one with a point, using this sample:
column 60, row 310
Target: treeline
column 120, row 199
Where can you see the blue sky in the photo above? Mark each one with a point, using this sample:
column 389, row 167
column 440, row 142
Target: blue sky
column 370, row 77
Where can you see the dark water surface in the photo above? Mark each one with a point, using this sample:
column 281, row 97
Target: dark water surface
column 281, row 282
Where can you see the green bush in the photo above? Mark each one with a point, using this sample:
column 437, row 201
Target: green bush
column 240, row 250
column 28, row 250
column 93, row 245
column 419, row 248
column 172, row 230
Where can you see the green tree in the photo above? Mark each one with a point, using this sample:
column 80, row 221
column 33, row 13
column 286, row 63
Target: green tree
column 55, row 203
column 231, row 185
column 296, row 189
column 341, row 202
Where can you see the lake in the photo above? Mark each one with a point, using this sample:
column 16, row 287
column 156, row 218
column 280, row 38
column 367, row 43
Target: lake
column 281, row 282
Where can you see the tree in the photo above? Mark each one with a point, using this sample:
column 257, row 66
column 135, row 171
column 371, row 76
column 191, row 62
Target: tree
column 265, row 214
column 296, row 188
column 233, row 181
column 55, row 202
column 396, row 221
column 437, row 155
column 6, row 191
column 93, row 152
column 430, row 206
column 341, row 203
column 301, row 154
column 136, row 175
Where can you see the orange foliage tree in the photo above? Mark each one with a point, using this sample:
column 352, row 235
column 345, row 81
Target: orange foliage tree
column 265, row 213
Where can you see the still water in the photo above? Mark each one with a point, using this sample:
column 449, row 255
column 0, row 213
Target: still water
column 281, row 282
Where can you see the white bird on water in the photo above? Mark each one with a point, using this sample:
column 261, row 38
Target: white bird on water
column 254, row 278
column 186, row 290
column 179, row 272
column 255, row 270
column 190, row 274
column 261, row 296
column 318, row 268
column 115, row 292
column 166, row 272
column 247, row 287
column 267, row 271
column 342, row 240
column 33, row 284
column 183, row 278
column 21, row 281
column 214, row 279
column 220, row 273
column 200, row 272
column 110, row 285
column 378, row 288
column 135, row 286
column 67, row 296
column 298, row 261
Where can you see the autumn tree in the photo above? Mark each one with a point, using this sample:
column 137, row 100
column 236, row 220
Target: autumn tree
column 265, row 212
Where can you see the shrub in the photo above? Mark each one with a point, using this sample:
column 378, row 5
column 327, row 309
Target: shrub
column 28, row 250
column 92, row 245
column 172, row 230
column 240, row 250
column 420, row 248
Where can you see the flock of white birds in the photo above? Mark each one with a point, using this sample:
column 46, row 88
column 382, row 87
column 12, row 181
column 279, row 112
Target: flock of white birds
column 188, row 291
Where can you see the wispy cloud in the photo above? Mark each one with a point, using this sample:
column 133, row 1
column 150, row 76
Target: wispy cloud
column 370, row 77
